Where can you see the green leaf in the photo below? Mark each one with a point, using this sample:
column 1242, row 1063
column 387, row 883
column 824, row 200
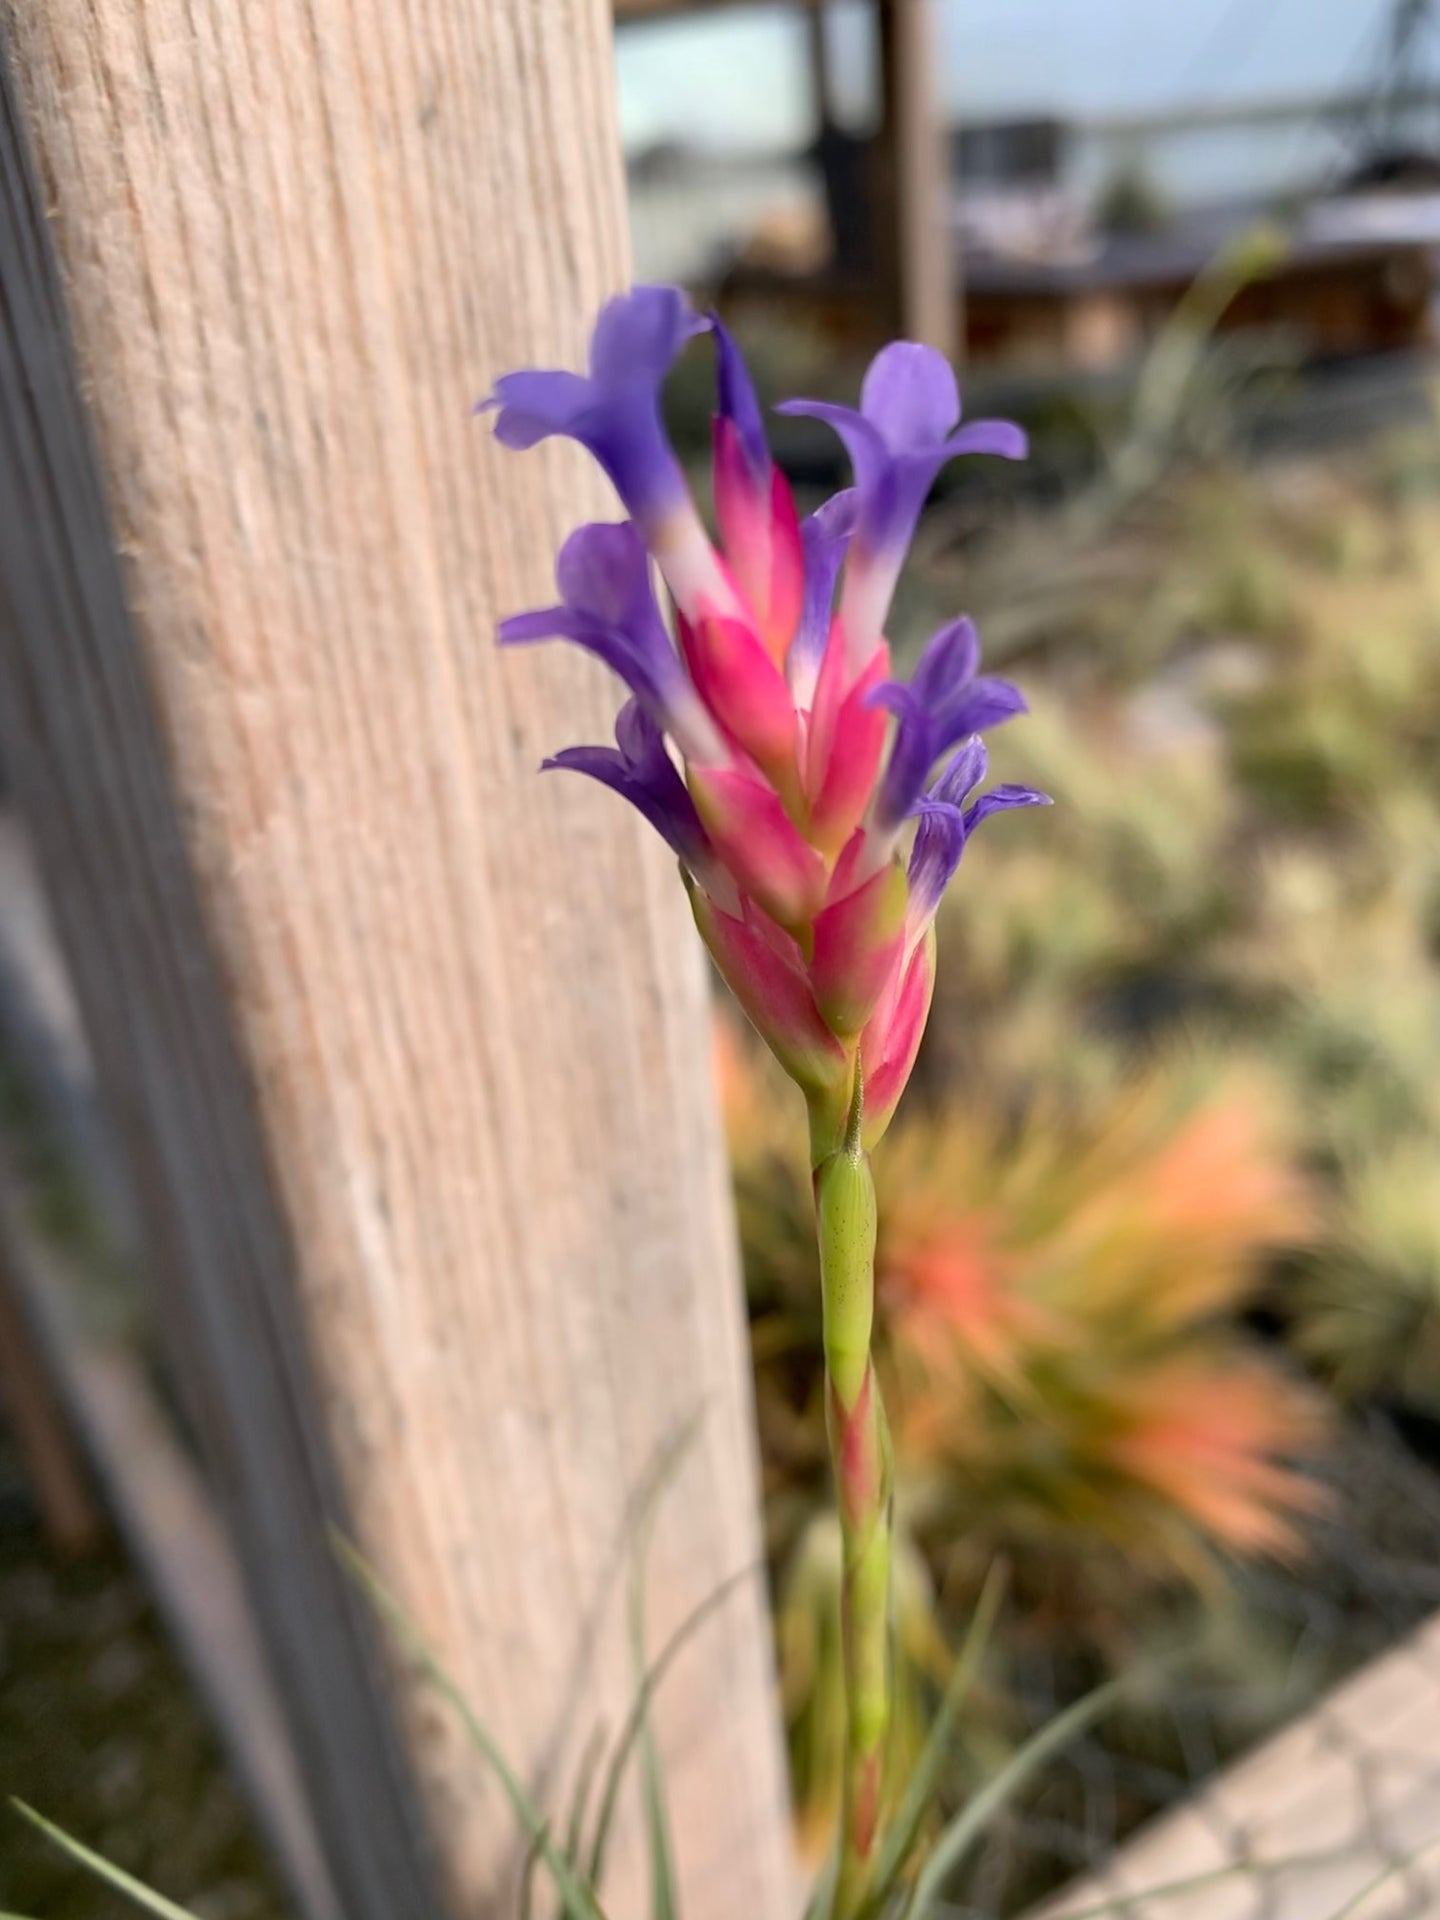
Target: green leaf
column 904, row 1830
column 822, row 1894
column 103, row 1869
column 967, row 1827
column 579, row 1804
column 527, row 1875
column 635, row 1718
column 657, row 1815
column 657, row 1819
column 577, row 1899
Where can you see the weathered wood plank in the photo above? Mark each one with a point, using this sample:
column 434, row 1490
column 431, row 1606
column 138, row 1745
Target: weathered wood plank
column 408, row 1047
column 1351, row 1790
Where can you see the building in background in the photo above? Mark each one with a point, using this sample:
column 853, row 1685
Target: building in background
column 1054, row 207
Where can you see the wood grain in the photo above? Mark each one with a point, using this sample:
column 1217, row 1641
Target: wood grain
column 408, row 1046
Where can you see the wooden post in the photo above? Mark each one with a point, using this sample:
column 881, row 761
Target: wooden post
column 63, row 1500
column 914, row 225
column 407, row 1045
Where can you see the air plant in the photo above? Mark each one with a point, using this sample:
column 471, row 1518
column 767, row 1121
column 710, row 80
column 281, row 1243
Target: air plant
column 787, row 769
column 1063, row 1298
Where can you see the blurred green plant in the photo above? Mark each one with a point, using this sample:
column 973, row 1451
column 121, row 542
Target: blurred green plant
column 1182, row 392
column 1368, row 1306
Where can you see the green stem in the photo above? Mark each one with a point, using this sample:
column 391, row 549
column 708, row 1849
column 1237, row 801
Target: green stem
column 860, row 1453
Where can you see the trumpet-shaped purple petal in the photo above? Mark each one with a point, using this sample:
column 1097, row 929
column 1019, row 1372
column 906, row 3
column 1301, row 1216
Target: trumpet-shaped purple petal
column 905, row 430
column 759, row 528
column 942, row 703
column 608, row 607
column 738, row 403
column 615, row 410
column 946, row 823
column 824, row 537
column 910, row 394
column 1003, row 799
column 639, row 769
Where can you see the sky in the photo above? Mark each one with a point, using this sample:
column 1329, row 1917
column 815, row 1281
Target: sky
column 737, row 79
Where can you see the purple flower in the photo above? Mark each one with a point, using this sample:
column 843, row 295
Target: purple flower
column 946, row 823
column 755, row 740
column 942, row 704
column 608, row 607
column 640, row 770
column 903, row 433
column 615, row 410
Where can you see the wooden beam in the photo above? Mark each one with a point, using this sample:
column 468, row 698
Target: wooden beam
column 408, row 1047
column 913, row 228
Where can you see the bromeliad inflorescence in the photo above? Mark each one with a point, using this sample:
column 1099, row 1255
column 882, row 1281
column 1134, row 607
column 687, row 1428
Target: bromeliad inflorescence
column 772, row 749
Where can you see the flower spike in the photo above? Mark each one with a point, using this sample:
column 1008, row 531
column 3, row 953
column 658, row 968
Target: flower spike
column 784, row 802
column 773, row 751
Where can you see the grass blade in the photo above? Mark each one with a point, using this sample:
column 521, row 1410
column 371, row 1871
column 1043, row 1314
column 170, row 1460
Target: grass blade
column 635, row 1718
column 1353, row 1905
column 966, row 1828
column 657, row 1814
column 577, row 1899
column 585, row 1773
column 904, row 1830
column 104, row 1869
column 527, row 1875
column 822, row 1894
